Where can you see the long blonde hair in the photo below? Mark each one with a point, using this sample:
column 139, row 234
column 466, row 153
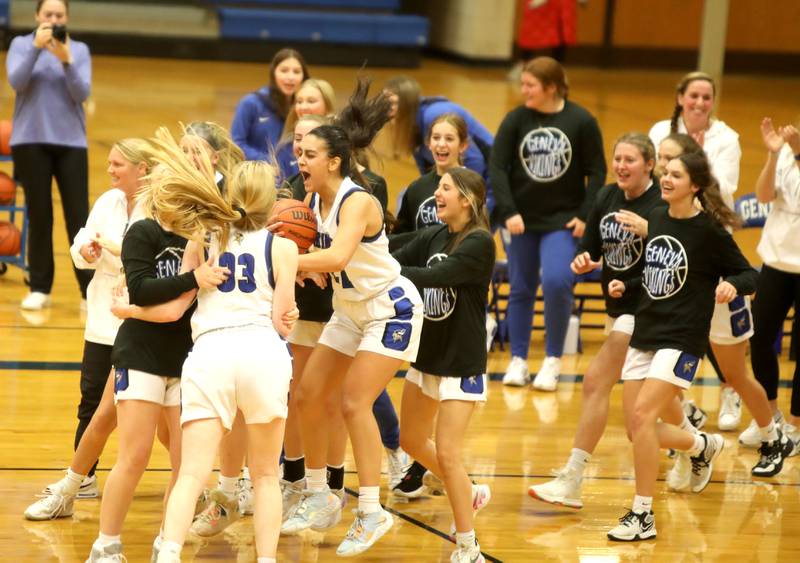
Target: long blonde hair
column 405, row 131
column 187, row 201
column 470, row 186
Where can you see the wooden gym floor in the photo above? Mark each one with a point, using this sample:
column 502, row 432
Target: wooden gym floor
column 515, row 439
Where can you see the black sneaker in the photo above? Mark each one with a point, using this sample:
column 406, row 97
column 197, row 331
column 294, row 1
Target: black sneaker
column 411, row 485
column 772, row 456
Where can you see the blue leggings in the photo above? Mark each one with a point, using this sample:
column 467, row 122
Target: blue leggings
column 552, row 252
column 386, row 417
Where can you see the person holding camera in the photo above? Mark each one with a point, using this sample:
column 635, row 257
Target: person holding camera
column 51, row 75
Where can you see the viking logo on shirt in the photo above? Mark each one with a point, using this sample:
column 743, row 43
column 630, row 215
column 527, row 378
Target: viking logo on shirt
column 440, row 302
column 621, row 249
column 426, row 214
column 665, row 267
column 545, row 154
column 168, row 262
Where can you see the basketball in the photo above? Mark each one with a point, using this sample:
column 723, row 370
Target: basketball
column 8, row 189
column 299, row 222
column 10, row 239
column 5, row 137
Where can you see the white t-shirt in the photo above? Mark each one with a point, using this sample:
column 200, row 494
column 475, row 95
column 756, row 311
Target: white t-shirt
column 109, row 217
column 721, row 145
column 779, row 246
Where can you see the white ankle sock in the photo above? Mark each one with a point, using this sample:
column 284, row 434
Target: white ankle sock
column 105, row 540
column 578, row 460
column 769, row 433
column 642, row 504
column 228, row 484
column 465, row 539
column 316, row 479
column 171, row 547
column 368, row 499
column 267, row 560
column 246, row 473
column 699, row 445
column 71, row 482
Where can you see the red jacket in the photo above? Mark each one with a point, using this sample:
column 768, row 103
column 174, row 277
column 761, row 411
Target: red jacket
column 547, row 23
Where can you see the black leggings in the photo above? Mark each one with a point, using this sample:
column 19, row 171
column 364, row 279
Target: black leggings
column 777, row 292
column 95, row 367
column 35, row 165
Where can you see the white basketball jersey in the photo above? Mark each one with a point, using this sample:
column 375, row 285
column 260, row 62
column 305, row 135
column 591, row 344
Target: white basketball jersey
column 245, row 298
column 371, row 269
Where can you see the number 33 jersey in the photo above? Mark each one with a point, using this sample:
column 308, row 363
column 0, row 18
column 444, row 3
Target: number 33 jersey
column 245, row 298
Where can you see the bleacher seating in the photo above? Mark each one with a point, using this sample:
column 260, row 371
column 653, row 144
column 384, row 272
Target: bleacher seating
column 319, row 26
column 372, row 5
column 4, row 13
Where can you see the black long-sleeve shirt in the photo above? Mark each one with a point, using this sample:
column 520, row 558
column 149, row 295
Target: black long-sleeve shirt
column 622, row 252
column 152, row 260
column 547, row 167
column 418, row 206
column 455, row 288
column 684, row 261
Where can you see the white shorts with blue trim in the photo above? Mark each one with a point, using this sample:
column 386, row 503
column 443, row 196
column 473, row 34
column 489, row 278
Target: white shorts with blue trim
column 622, row 323
column 135, row 385
column 388, row 324
column 668, row 364
column 441, row 388
column 305, row 333
column 732, row 322
column 247, row 368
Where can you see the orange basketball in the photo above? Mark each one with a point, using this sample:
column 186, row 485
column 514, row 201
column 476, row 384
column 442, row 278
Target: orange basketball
column 10, row 239
column 8, row 189
column 299, row 222
column 5, row 137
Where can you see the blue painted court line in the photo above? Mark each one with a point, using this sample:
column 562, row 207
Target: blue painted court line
column 497, row 376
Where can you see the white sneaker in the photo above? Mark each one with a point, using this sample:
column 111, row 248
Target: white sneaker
column 793, row 433
column 467, row 555
column 398, row 463
column 547, row 378
column 317, row 510
column 730, row 409
column 221, row 512
column 702, row 462
column 246, row 496
column 35, row 301
column 291, row 494
column 634, row 526
column 491, row 331
column 517, row 372
column 89, row 488
column 106, row 554
column 53, row 504
column 433, row 485
column 481, row 495
column 365, row 530
column 751, row 437
column 679, row 478
column 564, row 490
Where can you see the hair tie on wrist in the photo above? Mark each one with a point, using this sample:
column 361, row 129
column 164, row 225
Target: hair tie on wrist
column 241, row 211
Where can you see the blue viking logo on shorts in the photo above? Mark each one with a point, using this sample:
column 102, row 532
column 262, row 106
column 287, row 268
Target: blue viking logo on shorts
column 440, row 302
column 621, row 249
column 426, row 214
column 686, row 366
column 665, row 268
column 545, row 154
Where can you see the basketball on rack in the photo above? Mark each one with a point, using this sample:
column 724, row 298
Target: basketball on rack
column 5, row 137
column 8, row 189
column 10, row 239
column 299, row 222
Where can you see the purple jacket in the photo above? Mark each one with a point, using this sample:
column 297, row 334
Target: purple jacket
column 49, row 104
